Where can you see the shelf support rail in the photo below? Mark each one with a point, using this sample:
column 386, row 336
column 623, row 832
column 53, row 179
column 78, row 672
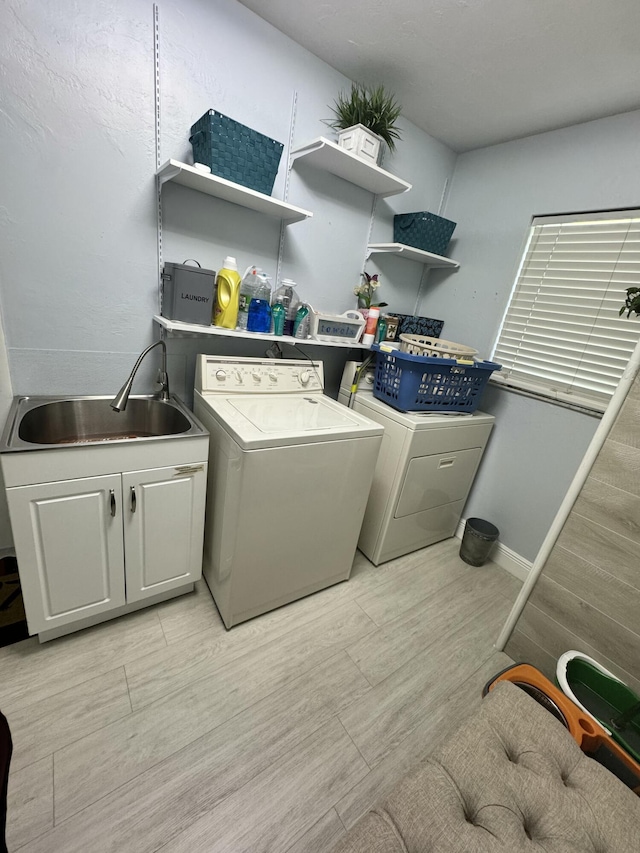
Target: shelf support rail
column 427, row 270
column 374, row 204
column 156, row 65
column 283, row 227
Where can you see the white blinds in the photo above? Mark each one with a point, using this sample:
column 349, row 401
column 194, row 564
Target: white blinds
column 561, row 335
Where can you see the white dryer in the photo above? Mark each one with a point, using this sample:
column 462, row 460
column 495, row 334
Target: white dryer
column 424, row 472
column 289, row 477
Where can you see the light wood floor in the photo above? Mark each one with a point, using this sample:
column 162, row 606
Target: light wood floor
column 161, row 731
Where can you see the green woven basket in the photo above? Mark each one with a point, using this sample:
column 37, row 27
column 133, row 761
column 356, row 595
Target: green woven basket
column 235, row 151
column 423, row 230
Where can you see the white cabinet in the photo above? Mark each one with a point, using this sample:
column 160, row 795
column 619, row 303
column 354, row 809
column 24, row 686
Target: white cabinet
column 94, row 547
column 68, row 538
column 163, row 530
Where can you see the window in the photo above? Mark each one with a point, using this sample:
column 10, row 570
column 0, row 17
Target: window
column 562, row 336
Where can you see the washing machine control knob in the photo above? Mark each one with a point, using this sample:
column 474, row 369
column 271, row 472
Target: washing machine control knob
column 305, row 376
column 256, row 375
column 273, row 377
column 221, row 374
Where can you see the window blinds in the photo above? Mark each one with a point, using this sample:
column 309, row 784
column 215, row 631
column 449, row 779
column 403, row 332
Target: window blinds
column 562, row 335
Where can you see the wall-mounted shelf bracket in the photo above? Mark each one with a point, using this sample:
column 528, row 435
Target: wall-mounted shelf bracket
column 429, row 259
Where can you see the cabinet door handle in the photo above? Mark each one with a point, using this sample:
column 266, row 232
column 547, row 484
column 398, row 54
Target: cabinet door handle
column 133, row 498
column 183, row 470
column 112, row 502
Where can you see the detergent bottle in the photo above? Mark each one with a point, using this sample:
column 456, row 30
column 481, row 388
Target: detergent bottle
column 301, row 322
column 227, row 295
column 259, row 311
column 278, row 312
column 291, row 303
column 370, row 329
column 248, row 289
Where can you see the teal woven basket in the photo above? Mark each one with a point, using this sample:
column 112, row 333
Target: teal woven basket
column 423, row 230
column 235, row 151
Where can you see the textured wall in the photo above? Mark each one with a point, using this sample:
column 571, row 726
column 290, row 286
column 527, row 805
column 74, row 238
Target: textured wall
column 536, row 447
column 78, row 268
column 588, row 595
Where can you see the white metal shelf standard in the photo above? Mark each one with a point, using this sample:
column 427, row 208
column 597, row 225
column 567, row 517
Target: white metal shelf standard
column 195, row 179
column 192, row 329
column 325, row 154
column 429, row 259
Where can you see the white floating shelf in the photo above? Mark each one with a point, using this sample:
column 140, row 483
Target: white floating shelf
column 428, row 258
column 325, row 154
column 196, row 179
column 193, row 329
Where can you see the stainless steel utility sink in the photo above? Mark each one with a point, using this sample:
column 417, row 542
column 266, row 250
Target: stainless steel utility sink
column 47, row 422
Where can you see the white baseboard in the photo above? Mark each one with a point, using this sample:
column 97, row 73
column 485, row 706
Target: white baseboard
column 504, row 557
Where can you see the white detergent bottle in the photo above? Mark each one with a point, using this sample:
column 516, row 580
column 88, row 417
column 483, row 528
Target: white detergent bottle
column 251, row 284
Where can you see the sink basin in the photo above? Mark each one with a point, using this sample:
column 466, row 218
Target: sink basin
column 42, row 422
column 75, row 421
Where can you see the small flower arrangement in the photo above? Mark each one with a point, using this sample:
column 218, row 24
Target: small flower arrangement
column 365, row 290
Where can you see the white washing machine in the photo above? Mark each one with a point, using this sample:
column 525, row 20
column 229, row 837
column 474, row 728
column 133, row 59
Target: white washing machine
column 289, row 477
column 424, row 472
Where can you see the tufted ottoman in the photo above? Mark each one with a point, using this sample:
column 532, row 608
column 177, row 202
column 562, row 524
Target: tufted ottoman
column 511, row 779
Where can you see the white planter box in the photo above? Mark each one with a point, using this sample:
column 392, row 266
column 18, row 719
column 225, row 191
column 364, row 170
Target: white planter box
column 360, row 141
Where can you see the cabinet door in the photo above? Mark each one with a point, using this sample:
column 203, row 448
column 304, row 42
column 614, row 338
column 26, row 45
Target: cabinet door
column 163, row 528
column 68, row 538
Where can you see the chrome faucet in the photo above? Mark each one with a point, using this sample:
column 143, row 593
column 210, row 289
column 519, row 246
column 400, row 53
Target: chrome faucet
column 119, row 402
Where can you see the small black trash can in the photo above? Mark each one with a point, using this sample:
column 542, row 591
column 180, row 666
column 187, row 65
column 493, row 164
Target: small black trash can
column 477, row 541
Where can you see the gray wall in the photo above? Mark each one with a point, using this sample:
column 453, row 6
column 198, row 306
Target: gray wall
column 588, row 595
column 78, row 266
column 536, row 447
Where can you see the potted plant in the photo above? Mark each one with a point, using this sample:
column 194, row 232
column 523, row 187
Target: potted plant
column 364, row 118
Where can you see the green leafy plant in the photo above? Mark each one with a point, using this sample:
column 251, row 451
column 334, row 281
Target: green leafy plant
column 373, row 107
column 632, row 302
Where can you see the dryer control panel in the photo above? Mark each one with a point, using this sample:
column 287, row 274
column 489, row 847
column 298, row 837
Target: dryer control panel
column 223, row 374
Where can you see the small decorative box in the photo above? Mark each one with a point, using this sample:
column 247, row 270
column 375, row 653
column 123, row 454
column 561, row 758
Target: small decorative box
column 409, row 324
